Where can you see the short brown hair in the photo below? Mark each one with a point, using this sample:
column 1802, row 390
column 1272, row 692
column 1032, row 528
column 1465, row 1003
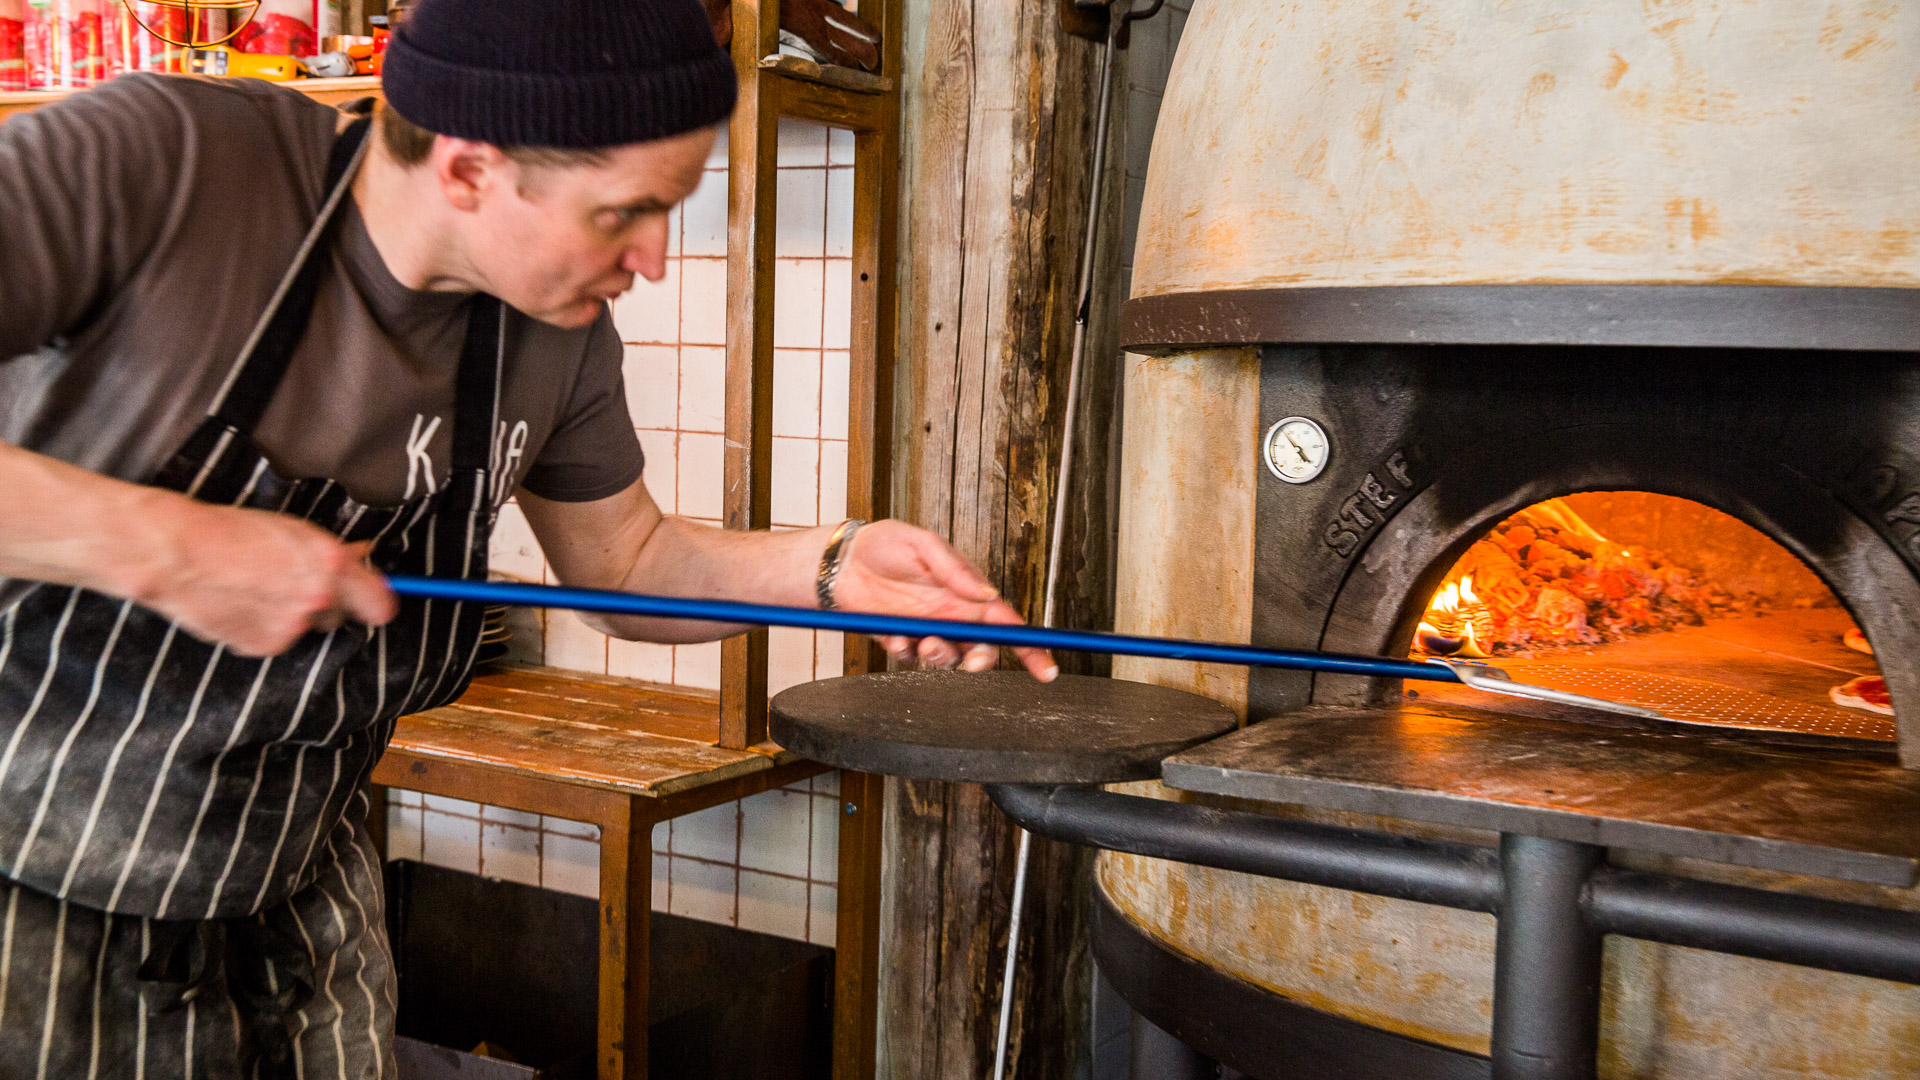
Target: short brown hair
column 409, row 144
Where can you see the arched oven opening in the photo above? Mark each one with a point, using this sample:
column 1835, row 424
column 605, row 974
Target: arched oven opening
column 1659, row 602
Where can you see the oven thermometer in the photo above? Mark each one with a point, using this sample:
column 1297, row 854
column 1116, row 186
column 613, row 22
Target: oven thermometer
column 1296, row 449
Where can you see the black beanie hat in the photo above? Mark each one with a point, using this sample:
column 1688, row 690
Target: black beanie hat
column 572, row 74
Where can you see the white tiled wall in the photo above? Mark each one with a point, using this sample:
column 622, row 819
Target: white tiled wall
column 767, row 863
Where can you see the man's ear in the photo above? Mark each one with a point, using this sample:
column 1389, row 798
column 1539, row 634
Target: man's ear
column 468, row 171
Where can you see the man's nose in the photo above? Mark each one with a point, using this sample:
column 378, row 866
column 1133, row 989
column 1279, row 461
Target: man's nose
column 647, row 254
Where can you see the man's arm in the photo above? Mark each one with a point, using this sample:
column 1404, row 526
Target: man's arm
column 624, row 542
column 251, row 580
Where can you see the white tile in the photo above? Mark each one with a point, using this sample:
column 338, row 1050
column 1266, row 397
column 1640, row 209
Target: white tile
column 789, row 658
column 827, row 784
column 703, row 388
column 703, row 301
column 774, row 831
column 701, row 476
column 442, row 804
column 1147, row 53
column 404, row 834
column 704, row 891
column 512, row 548
column 452, row 842
column 574, row 645
column 836, row 373
column 500, row 815
column 578, row 830
column 801, row 143
column 712, row 834
column 662, row 882
column 823, row 905
column 649, row 313
column 661, row 838
column 697, row 666
column 773, row 905
column 717, row 157
column 662, row 449
column 640, row 660
column 800, row 219
column 673, row 232
column 839, row 213
column 402, row 797
column 833, row 481
column 797, row 296
column 825, row 840
column 836, row 305
column 840, row 146
column 652, row 375
column 704, row 217
column 510, row 853
column 796, row 393
column 829, row 654
column 795, row 493
column 569, row 865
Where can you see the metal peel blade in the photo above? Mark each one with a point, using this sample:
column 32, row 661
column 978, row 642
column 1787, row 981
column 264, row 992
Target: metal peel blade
column 1493, row 680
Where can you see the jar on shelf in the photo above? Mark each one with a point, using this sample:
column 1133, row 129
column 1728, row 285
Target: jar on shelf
column 140, row 32
column 280, row 28
column 13, row 45
column 65, row 46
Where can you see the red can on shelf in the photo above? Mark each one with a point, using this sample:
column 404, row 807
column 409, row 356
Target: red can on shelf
column 13, row 45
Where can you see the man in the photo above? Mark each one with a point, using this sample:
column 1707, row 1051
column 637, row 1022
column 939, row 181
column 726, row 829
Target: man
column 262, row 355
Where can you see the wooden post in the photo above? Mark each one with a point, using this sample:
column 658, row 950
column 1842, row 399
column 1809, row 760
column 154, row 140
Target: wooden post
column 753, row 144
column 995, row 163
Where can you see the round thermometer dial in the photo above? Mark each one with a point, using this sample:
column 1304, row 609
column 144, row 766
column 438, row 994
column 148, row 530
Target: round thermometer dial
column 1296, row 449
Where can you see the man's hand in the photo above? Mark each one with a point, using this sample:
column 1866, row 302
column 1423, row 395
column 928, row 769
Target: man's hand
column 251, row 580
column 893, row 568
column 247, row 579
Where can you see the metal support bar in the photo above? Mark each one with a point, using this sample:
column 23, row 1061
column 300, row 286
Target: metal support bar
column 1546, row 963
column 1854, row 939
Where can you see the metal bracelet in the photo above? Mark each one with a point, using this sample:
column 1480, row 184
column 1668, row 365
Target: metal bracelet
column 829, row 572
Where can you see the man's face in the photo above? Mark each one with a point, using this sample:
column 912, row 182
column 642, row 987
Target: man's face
column 559, row 241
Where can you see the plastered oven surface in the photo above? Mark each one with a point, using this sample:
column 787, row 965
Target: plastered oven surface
column 1185, row 568
column 1399, row 142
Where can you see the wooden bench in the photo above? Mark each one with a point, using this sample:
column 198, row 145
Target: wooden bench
column 625, row 755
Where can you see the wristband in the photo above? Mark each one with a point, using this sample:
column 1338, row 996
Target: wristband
column 830, row 560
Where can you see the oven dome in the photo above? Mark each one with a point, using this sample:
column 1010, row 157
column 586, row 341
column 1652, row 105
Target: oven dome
column 1427, row 142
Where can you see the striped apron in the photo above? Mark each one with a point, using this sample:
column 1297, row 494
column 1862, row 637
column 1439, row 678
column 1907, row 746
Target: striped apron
column 182, row 825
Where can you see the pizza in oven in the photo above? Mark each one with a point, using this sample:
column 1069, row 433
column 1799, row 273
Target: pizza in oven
column 1867, row 692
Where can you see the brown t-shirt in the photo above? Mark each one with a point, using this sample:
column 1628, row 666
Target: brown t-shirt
column 143, row 228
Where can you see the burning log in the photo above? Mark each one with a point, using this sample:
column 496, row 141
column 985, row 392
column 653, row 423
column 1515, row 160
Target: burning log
column 1545, row 578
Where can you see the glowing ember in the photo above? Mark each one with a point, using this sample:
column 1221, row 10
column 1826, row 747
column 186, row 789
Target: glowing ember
column 1545, row 578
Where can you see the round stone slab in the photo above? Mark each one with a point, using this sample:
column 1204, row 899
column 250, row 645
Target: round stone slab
column 996, row 727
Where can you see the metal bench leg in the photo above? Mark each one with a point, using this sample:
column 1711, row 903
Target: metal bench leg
column 1546, row 974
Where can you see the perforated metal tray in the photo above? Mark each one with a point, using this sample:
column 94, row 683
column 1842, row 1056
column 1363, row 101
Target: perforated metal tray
column 1701, row 701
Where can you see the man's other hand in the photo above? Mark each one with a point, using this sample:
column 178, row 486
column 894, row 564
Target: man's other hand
column 251, row 580
column 892, row 568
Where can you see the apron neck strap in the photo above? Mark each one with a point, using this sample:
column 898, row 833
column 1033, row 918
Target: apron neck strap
column 269, row 350
column 476, row 405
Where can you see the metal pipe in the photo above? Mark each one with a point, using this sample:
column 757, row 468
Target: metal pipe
column 1546, row 963
column 1811, row 932
column 1403, row 867
column 729, row 611
column 1832, row 935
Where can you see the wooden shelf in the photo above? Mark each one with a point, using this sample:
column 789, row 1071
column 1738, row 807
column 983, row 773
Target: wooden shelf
column 331, row 91
column 594, row 731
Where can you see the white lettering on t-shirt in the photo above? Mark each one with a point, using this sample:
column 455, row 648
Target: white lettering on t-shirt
column 509, row 446
column 418, row 463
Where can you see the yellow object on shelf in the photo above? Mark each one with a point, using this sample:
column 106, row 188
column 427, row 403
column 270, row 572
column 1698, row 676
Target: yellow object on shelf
column 246, row 65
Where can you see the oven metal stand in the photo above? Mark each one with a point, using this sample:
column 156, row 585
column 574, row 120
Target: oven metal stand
column 1546, row 962
column 1554, row 901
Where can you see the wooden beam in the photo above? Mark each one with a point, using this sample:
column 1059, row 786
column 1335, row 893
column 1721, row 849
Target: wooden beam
column 998, row 121
column 753, row 148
